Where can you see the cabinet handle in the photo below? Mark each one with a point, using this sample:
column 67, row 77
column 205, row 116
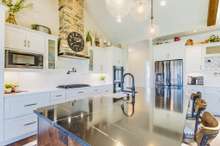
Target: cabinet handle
column 58, row 95
column 25, row 43
column 28, row 105
column 29, row 44
column 30, row 123
column 80, row 92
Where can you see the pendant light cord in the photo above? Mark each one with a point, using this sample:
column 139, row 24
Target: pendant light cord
column 152, row 12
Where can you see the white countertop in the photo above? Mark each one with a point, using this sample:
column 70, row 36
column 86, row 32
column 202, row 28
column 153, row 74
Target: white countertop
column 44, row 90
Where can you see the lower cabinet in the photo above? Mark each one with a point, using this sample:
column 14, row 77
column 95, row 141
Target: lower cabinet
column 19, row 119
column 57, row 97
column 20, row 126
column 21, row 105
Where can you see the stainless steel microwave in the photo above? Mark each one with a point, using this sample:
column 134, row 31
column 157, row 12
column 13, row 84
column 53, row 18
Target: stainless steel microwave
column 18, row 59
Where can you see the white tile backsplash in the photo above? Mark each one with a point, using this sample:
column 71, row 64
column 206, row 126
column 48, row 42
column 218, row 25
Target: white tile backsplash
column 50, row 79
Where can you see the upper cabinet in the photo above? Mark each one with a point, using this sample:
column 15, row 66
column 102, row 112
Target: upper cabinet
column 169, row 51
column 15, row 38
column 194, row 59
column 26, row 40
column 30, row 41
column 103, row 59
column 35, row 42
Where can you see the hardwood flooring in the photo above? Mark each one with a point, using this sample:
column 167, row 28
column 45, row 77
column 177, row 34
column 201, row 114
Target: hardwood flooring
column 24, row 141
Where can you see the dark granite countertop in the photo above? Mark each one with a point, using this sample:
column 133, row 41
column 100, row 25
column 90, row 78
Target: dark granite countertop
column 155, row 118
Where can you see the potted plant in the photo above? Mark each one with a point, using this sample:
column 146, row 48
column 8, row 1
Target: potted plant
column 10, row 87
column 14, row 7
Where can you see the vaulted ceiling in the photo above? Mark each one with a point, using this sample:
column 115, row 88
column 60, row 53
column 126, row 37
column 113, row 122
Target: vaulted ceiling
column 176, row 16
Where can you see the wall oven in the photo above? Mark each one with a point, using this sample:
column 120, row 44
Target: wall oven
column 18, row 59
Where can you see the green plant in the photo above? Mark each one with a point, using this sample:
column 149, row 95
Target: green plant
column 102, row 77
column 15, row 6
column 10, row 85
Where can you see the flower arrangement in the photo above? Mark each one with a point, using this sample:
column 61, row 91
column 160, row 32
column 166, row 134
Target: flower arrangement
column 14, row 7
column 10, row 87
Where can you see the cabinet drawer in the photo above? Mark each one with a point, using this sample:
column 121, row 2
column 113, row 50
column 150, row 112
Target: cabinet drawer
column 20, row 126
column 75, row 94
column 25, row 104
column 57, row 97
column 101, row 90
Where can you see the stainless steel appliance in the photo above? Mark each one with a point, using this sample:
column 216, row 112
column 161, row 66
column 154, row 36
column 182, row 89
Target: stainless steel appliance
column 118, row 72
column 17, row 59
column 169, row 98
column 195, row 80
column 169, row 73
column 70, row 86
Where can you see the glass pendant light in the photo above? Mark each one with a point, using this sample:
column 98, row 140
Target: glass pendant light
column 153, row 28
column 119, row 8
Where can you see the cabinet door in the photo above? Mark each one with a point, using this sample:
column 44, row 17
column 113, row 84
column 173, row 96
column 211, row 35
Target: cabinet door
column 161, row 53
column 193, row 59
column 15, row 38
column 52, row 53
column 99, row 60
column 36, row 42
column 176, row 52
column 24, row 104
column 212, row 97
column 117, row 57
column 169, row 51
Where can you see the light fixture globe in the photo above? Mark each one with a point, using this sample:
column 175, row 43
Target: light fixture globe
column 119, row 8
column 152, row 30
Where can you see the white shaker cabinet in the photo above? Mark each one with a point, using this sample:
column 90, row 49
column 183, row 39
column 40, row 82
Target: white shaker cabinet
column 212, row 97
column 100, row 60
column 169, row 51
column 2, row 28
column 105, row 58
column 15, row 38
column 193, row 59
column 24, row 39
column 36, row 42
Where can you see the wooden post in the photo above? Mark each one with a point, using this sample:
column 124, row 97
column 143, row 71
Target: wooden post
column 213, row 12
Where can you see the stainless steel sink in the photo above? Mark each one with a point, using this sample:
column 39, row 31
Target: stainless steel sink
column 70, row 86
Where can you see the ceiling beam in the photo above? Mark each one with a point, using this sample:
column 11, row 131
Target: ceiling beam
column 213, row 12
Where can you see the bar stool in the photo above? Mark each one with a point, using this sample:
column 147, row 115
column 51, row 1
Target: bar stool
column 194, row 97
column 200, row 106
column 208, row 130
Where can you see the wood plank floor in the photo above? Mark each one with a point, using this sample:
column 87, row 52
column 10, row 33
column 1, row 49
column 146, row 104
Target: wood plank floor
column 24, row 141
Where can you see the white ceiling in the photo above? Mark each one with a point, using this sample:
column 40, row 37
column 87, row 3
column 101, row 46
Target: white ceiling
column 177, row 16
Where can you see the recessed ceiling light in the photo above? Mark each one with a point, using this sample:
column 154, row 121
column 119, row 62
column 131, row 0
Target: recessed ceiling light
column 163, row 3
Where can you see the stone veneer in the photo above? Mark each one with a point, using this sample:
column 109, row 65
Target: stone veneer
column 71, row 13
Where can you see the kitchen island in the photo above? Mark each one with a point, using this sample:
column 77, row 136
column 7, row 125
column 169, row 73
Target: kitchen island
column 151, row 119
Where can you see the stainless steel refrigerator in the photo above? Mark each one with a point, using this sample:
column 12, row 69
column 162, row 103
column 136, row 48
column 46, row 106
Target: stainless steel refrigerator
column 169, row 73
column 169, row 85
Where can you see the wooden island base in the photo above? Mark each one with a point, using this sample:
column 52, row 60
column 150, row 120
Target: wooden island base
column 48, row 135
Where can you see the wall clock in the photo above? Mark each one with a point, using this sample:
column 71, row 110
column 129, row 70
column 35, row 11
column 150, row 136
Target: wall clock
column 75, row 41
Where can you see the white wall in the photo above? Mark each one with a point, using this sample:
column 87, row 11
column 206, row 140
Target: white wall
column 138, row 62
column 43, row 12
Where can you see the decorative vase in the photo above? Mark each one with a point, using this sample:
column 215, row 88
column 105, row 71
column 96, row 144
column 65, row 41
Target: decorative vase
column 11, row 18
